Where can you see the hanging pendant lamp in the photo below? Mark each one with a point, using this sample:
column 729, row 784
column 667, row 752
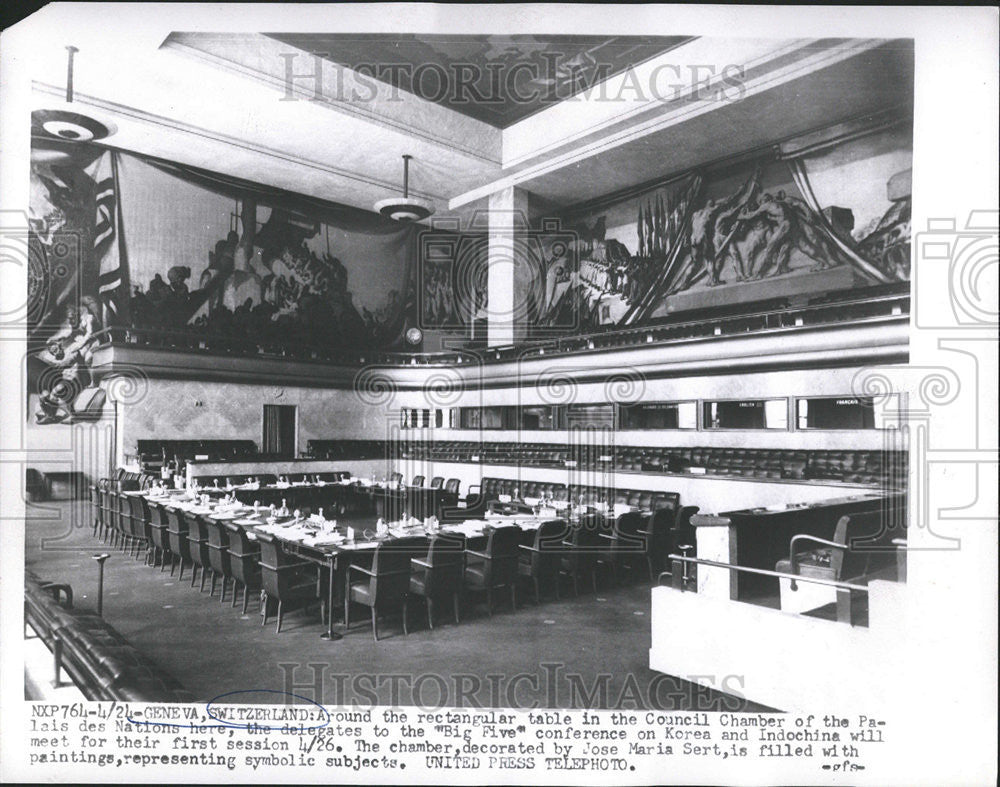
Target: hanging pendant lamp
column 407, row 208
column 56, row 127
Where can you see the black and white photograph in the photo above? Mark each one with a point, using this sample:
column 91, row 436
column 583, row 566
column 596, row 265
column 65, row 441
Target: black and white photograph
column 499, row 394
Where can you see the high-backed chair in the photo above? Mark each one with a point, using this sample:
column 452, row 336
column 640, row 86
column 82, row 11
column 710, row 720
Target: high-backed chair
column 452, row 485
column 384, row 586
column 218, row 556
column 437, row 575
column 685, row 535
column 496, row 566
column 177, row 536
column 198, row 549
column 437, row 482
column 95, row 509
column 107, row 529
column 395, row 479
column 583, row 544
column 659, row 531
column 123, row 520
column 141, row 524
column 158, row 535
column 285, row 580
column 862, row 548
column 244, row 562
column 418, row 480
column 626, row 547
column 540, row 561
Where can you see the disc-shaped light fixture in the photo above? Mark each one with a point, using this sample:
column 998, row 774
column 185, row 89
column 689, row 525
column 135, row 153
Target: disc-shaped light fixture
column 405, row 208
column 68, row 122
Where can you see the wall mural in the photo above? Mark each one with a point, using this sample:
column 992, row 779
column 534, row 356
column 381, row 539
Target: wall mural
column 833, row 217
column 827, row 220
column 185, row 257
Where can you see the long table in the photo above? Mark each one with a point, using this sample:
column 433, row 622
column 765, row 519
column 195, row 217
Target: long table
column 331, row 546
column 355, row 497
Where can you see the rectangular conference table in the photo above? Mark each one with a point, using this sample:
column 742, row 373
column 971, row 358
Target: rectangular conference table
column 322, row 542
column 339, row 497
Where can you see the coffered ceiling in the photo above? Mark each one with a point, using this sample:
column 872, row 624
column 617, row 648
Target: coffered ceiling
column 498, row 79
column 298, row 111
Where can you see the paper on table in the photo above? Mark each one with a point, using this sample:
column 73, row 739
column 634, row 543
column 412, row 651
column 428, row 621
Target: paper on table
column 359, row 544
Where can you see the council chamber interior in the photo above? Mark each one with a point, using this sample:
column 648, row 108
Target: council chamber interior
column 589, row 370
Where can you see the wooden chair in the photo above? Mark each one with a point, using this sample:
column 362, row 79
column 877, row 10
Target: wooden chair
column 385, row 585
column 659, row 535
column 142, row 524
column 685, row 540
column 218, row 556
column 540, row 562
column 625, row 546
column 198, row 550
column 438, row 574
column 496, row 566
column 123, row 528
column 107, row 528
column 285, row 580
column 582, row 546
column 96, row 510
column 158, row 535
column 862, row 548
column 177, row 537
column 244, row 562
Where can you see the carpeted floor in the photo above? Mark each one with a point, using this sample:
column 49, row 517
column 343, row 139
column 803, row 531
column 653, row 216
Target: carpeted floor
column 590, row 651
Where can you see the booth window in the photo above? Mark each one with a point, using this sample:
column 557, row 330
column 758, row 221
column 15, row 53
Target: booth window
column 658, row 415
column 746, row 414
column 845, row 412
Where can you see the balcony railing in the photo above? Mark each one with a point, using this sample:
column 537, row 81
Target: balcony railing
column 775, row 316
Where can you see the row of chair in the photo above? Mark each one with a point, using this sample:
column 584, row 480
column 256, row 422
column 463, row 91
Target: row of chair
column 444, row 568
column 867, row 467
column 441, row 569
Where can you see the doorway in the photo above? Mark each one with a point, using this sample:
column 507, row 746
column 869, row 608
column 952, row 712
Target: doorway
column 280, row 422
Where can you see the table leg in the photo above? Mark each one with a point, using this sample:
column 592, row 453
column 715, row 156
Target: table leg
column 331, row 635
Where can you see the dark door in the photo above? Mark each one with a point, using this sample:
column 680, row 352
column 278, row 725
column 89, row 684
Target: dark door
column 279, row 430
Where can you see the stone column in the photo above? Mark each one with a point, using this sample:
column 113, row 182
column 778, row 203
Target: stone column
column 508, row 268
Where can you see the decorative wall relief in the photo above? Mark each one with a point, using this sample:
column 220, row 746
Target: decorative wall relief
column 831, row 216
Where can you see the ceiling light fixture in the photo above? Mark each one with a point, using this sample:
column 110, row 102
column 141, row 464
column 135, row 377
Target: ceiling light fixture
column 64, row 124
column 408, row 208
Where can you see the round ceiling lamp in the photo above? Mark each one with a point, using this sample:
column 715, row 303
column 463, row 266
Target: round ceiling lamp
column 406, row 208
column 67, row 122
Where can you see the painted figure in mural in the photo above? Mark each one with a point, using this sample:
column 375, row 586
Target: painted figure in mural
column 438, row 305
column 69, row 355
column 712, row 227
column 776, row 227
